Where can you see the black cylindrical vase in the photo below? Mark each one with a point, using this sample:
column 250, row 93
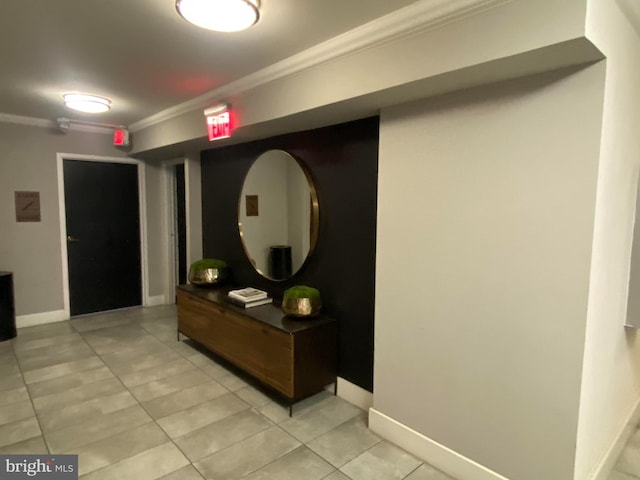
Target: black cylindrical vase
column 280, row 262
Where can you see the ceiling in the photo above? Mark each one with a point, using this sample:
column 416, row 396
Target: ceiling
column 144, row 56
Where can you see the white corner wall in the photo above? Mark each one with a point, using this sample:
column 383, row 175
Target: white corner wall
column 485, row 225
column 611, row 377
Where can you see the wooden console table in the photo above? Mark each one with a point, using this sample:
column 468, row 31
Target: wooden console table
column 296, row 358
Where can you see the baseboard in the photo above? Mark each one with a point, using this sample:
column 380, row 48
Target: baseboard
column 155, row 301
column 605, row 466
column 33, row 319
column 354, row 394
column 437, row 455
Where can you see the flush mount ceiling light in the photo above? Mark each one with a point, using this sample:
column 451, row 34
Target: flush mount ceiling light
column 220, row 15
column 87, row 103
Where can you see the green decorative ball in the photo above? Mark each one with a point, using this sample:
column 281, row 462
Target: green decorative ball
column 301, row 291
column 209, row 263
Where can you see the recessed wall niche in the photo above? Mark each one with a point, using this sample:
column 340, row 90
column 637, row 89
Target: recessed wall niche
column 343, row 160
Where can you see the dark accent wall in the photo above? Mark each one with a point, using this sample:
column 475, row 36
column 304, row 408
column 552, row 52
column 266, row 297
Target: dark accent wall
column 343, row 159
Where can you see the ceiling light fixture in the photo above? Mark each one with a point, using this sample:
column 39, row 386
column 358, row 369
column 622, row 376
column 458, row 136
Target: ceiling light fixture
column 220, row 15
column 87, row 103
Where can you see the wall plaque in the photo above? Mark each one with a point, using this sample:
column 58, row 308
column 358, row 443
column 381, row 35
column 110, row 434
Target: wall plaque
column 252, row 205
column 27, row 206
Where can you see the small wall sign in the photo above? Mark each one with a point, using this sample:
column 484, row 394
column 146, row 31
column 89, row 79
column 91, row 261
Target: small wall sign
column 27, row 206
column 252, row 205
column 121, row 137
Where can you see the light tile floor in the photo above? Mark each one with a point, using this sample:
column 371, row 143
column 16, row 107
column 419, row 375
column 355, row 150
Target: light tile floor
column 134, row 403
column 119, row 390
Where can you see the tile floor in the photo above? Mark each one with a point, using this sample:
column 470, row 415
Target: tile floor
column 119, row 390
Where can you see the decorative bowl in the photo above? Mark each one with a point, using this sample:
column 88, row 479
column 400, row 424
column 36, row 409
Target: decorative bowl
column 206, row 276
column 301, row 307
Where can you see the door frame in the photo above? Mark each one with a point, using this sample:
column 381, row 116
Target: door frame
column 169, row 224
column 142, row 203
column 193, row 205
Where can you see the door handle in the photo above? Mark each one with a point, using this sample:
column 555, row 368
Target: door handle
column 71, row 239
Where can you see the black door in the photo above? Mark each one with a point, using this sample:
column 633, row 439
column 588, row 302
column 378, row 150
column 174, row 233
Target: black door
column 103, row 235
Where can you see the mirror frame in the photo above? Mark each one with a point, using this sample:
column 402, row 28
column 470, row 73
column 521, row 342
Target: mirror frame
column 314, row 226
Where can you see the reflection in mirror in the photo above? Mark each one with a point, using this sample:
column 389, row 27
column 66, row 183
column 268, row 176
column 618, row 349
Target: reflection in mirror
column 278, row 215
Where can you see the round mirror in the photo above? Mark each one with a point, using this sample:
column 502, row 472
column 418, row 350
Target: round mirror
column 278, row 215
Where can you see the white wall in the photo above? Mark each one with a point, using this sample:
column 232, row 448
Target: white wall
column 32, row 250
column 611, row 378
column 485, row 221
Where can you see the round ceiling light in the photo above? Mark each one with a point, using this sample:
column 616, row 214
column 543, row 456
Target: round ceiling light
column 220, row 15
column 87, row 103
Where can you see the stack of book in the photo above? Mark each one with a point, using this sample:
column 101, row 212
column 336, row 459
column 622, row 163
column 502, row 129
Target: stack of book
column 249, row 297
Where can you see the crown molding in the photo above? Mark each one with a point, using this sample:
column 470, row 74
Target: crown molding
column 46, row 123
column 418, row 17
column 78, row 127
column 30, row 121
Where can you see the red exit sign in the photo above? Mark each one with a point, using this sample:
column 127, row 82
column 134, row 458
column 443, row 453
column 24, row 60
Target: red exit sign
column 219, row 125
column 121, row 137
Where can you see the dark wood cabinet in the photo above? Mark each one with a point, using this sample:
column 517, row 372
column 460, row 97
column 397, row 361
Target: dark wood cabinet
column 296, row 358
